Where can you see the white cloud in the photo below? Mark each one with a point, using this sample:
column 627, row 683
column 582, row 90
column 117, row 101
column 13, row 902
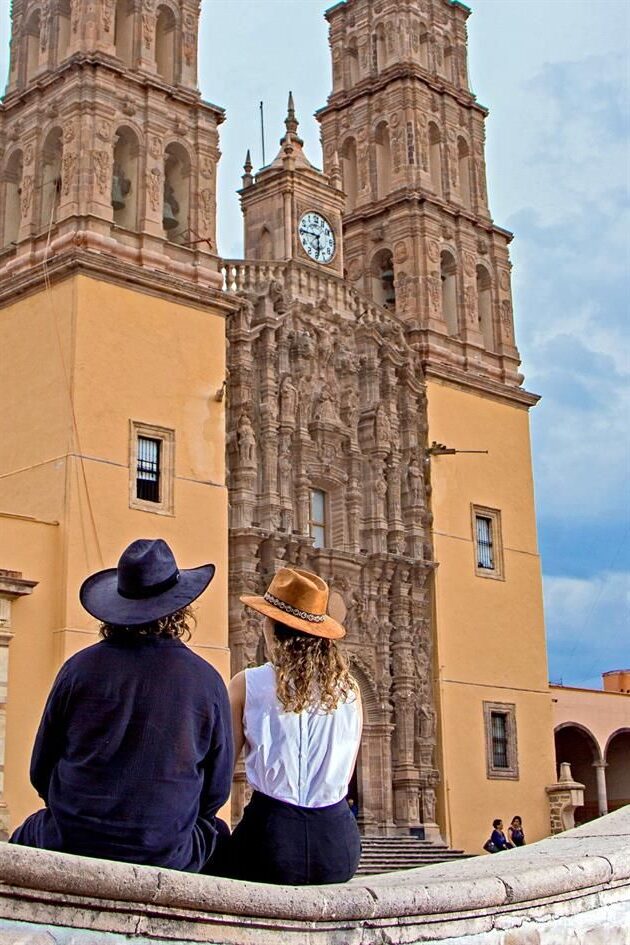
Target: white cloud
column 588, row 625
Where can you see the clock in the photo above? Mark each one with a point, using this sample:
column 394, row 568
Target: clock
column 317, row 237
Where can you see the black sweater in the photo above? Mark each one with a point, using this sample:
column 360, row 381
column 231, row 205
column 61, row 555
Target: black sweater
column 134, row 754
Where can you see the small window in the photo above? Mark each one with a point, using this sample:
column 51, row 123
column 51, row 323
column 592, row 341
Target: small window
column 487, row 541
column 317, row 520
column 499, row 739
column 152, row 468
column 501, row 744
column 148, row 469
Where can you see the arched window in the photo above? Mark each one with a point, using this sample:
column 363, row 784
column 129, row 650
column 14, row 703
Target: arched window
column 379, row 49
column 350, row 172
column 424, row 47
column 165, row 28
column 484, row 306
column 32, row 46
column 123, row 31
column 51, row 178
column 352, row 65
column 12, row 191
column 63, row 29
column 448, row 62
column 577, row 746
column 176, row 205
column 383, row 290
column 265, row 246
column 618, row 770
column 463, row 161
column 448, row 274
column 435, row 158
column 318, row 518
column 383, row 161
column 125, row 173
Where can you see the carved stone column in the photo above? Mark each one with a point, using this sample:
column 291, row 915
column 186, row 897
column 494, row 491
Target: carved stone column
column 12, row 587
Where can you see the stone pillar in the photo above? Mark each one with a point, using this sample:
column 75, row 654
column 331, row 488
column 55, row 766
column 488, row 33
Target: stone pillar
column 602, row 797
column 12, row 586
column 564, row 797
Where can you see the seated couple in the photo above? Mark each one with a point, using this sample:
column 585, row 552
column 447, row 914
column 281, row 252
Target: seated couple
column 135, row 750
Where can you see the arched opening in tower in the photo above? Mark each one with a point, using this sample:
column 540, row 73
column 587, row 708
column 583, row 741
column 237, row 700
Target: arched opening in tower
column 12, row 191
column 484, row 306
column 125, row 179
column 165, row 29
column 33, row 28
column 448, row 275
column 383, row 161
column 463, row 161
column 63, row 30
column 435, row 158
column 383, row 288
column 176, row 204
column 51, row 178
column 123, row 31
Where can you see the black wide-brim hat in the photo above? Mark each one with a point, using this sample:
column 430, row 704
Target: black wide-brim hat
column 146, row 586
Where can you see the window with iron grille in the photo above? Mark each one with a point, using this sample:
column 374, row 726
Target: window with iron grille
column 151, row 467
column 317, row 518
column 498, row 722
column 501, row 743
column 485, row 556
column 488, row 547
column 148, row 469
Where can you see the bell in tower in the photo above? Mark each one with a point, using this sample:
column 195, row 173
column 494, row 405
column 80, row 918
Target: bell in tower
column 121, row 185
column 171, row 207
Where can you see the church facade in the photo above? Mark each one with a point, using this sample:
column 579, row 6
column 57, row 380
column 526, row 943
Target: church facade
column 371, row 414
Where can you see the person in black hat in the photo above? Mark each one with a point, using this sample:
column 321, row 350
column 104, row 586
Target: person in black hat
column 134, row 753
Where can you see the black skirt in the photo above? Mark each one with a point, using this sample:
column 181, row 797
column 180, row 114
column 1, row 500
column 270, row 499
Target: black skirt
column 276, row 842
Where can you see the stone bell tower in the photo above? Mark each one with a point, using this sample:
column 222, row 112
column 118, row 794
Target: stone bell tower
column 108, row 146
column 410, row 138
column 113, row 320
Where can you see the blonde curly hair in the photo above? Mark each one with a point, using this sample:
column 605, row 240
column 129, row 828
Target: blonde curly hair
column 311, row 672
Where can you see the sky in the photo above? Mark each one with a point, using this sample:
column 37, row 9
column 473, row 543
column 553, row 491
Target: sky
column 555, row 76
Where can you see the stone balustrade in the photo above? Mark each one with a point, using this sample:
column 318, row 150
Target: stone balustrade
column 572, row 888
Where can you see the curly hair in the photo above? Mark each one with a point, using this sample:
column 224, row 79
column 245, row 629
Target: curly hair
column 177, row 626
column 311, row 672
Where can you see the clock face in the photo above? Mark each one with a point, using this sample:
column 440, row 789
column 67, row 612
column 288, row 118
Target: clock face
column 317, row 237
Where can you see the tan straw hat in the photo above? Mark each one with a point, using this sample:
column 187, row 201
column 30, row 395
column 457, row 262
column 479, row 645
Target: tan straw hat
column 298, row 599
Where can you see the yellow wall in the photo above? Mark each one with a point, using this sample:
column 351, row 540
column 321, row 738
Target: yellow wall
column 86, row 357
column 490, row 641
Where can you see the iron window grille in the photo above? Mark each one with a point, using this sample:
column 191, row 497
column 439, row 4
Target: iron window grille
column 498, row 722
column 485, row 550
column 148, row 469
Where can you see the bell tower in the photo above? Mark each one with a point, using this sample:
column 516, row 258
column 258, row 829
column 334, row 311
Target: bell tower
column 112, row 320
column 410, row 138
column 291, row 210
column 108, row 146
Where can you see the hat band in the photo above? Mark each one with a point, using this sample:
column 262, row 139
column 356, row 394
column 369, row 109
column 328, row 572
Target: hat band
column 288, row 609
column 152, row 590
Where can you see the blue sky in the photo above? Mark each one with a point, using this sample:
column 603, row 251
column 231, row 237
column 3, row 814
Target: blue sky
column 554, row 75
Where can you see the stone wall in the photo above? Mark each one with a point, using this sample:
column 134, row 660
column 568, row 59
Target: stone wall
column 573, row 888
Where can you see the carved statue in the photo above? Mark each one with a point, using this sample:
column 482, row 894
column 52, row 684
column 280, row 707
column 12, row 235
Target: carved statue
column 246, row 442
column 288, row 400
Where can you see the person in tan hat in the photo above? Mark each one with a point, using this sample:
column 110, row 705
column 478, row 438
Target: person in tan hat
column 299, row 719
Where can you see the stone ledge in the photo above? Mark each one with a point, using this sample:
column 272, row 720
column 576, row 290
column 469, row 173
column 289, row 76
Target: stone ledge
column 567, row 875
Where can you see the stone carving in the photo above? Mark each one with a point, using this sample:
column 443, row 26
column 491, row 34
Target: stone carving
column 189, row 39
column 155, row 188
column 207, row 209
column 44, row 24
column 246, row 443
column 148, row 25
column 107, row 14
column 470, row 304
column 26, row 196
column 101, row 161
column 68, row 165
column 434, row 292
column 28, row 154
column 75, row 14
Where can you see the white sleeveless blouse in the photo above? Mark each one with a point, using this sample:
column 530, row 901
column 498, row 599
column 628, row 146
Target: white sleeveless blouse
column 302, row 758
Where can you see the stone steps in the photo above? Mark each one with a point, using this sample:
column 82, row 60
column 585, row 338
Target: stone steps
column 386, row 854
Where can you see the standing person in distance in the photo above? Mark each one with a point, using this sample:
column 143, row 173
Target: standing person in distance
column 133, row 757
column 299, row 719
column 516, row 832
